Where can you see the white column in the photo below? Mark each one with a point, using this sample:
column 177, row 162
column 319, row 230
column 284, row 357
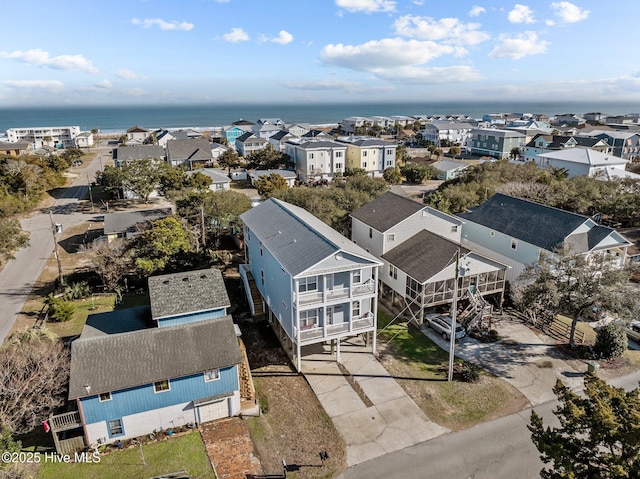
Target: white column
column 338, row 350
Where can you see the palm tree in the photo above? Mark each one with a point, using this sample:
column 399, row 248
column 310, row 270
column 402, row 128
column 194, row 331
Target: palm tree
column 32, row 334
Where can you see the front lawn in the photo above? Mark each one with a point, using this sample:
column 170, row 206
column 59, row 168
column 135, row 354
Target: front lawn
column 420, row 366
column 184, row 453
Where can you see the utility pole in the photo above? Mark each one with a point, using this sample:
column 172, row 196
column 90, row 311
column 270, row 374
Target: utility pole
column 55, row 229
column 204, row 233
column 454, row 310
column 90, row 194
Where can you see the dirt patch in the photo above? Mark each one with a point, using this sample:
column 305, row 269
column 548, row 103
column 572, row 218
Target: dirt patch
column 293, row 426
column 230, row 448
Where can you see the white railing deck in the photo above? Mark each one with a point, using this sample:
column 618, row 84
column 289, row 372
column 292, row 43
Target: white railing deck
column 331, row 330
column 314, row 297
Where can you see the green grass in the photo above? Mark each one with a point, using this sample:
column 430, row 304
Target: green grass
column 420, row 367
column 84, row 307
column 414, row 347
column 184, row 453
column 589, row 333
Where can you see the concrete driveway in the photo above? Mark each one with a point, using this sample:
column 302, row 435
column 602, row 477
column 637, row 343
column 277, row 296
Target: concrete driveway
column 369, row 408
column 521, row 358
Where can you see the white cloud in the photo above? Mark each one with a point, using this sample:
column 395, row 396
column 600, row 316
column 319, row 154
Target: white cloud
column 379, row 55
column 521, row 14
column 236, row 35
column 431, row 75
column 283, row 38
column 106, row 84
column 125, row 74
column 568, row 12
column 418, row 2
column 41, row 58
column 47, row 85
column 367, row 6
column 449, row 30
column 163, row 24
column 477, row 11
column 524, row 44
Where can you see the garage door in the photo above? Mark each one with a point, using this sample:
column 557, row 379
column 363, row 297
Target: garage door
column 214, row 410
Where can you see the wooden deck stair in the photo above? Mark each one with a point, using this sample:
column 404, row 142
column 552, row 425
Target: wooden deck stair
column 256, row 296
column 247, row 389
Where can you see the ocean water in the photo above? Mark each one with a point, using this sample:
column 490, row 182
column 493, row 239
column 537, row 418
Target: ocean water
column 117, row 119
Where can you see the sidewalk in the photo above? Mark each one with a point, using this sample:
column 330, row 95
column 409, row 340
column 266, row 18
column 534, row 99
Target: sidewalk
column 521, row 358
column 379, row 418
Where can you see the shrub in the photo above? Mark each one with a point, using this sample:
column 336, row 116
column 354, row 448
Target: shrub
column 59, row 308
column 611, row 341
column 78, row 290
column 470, row 372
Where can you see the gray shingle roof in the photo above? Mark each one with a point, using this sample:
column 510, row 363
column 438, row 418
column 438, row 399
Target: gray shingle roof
column 142, row 152
column 386, row 211
column 423, row 255
column 126, row 221
column 191, row 149
column 190, row 292
column 536, row 224
column 216, row 175
column 296, row 238
column 120, row 361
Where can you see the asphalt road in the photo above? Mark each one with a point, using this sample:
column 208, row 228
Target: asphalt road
column 20, row 274
column 500, row 449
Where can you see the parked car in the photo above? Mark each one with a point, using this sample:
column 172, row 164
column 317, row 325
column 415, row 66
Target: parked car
column 633, row 331
column 442, row 324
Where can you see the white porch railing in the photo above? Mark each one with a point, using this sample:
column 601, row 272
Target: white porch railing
column 331, row 330
column 335, row 294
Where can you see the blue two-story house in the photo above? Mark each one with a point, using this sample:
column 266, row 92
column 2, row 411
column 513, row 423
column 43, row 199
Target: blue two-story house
column 312, row 283
column 141, row 370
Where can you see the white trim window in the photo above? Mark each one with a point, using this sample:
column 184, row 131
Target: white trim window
column 357, row 276
column 393, row 271
column 308, row 319
column 355, row 309
column 310, row 283
column 161, row 386
column 115, row 427
column 104, row 397
column 211, row 375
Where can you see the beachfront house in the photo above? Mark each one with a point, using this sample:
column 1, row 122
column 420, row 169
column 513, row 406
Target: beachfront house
column 312, row 283
column 54, row 136
column 516, row 232
column 143, row 370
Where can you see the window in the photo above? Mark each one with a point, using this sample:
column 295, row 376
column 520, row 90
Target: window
column 338, row 154
column 161, row 386
column 308, row 284
column 355, row 309
column 338, row 166
column 391, row 237
column 104, row 397
column 454, row 229
column 261, row 248
column 211, row 375
column 492, row 233
column 262, row 276
column 364, row 164
column 311, row 156
column 514, row 244
column 370, row 232
column 115, row 427
column 308, row 319
column 357, row 276
column 364, row 153
column 393, row 271
column 389, row 152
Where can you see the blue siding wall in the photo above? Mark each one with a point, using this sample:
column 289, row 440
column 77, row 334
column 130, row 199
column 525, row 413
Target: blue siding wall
column 276, row 289
column 143, row 398
column 192, row 318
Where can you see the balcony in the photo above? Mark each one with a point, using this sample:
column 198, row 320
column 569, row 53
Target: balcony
column 332, row 330
column 335, row 294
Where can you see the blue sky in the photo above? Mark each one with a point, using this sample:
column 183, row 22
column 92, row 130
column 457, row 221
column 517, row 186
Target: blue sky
column 288, row 51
